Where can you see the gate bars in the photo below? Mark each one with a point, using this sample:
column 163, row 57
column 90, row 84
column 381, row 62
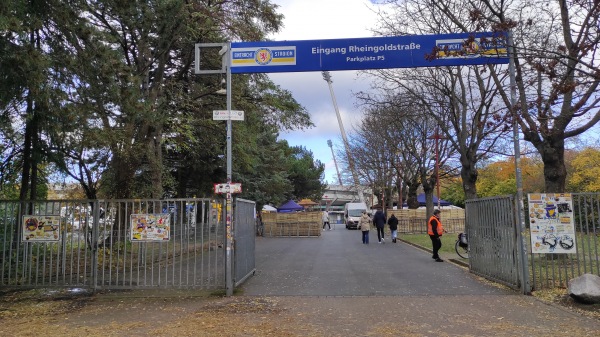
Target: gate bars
column 95, row 249
column 493, row 241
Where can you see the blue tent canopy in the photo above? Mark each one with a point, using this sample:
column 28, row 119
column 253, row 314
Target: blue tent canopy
column 421, row 200
column 289, row 206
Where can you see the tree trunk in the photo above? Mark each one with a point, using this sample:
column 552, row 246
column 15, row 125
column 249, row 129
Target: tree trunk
column 123, row 169
column 555, row 171
column 155, row 160
column 428, row 184
column 552, row 150
column 399, row 188
column 468, row 173
column 412, row 201
column 27, row 148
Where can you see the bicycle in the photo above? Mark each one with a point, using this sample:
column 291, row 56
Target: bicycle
column 462, row 245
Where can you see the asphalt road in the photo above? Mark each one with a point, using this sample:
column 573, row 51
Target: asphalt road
column 336, row 286
column 338, row 264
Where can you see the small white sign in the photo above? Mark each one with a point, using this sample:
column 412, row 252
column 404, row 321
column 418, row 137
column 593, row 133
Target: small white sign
column 223, row 115
column 228, row 188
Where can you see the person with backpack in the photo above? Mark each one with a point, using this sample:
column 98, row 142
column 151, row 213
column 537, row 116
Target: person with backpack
column 435, row 231
column 393, row 223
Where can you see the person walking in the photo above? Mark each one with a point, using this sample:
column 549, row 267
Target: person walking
column 393, row 223
column 435, row 231
column 379, row 221
column 365, row 227
column 326, row 220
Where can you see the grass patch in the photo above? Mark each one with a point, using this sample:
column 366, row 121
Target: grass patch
column 423, row 240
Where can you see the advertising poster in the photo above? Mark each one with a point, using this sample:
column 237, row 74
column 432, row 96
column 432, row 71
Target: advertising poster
column 552, row 227
column 150, row 227
column 41, row 228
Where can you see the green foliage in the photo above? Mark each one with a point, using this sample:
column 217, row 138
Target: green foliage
column 109, row 87
column 306, row 174
column 454, row 193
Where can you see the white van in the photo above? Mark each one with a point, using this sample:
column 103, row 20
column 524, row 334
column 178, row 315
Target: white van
column 352, row 214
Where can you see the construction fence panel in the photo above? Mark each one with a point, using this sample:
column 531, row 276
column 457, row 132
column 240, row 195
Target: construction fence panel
column 414, row 221
column 299, row 224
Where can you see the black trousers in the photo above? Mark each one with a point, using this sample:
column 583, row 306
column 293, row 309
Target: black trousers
column 379, row 233
column 326, row 223
column 436, row 243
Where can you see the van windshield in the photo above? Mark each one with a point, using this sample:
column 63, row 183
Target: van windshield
column 355, row 212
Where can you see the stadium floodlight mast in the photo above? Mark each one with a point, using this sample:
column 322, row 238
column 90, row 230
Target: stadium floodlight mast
column 327, row 78
column 335, row 162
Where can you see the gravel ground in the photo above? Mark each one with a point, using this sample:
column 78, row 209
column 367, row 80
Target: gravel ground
column 146, row 314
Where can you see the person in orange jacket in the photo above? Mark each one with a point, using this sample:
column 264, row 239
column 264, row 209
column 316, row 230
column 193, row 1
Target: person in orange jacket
column 435, row 231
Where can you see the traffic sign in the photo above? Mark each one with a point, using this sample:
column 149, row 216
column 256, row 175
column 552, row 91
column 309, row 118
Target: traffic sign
column 228, row 188
column 223, row 115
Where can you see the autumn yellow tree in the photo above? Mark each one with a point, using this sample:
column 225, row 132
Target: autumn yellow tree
column 586, row 171
column 498, row 178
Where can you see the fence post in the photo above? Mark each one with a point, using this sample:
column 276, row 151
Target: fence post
column 94, row 242
column 522, row 251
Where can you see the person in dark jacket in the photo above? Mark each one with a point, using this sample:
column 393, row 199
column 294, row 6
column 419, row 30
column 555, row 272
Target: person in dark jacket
column 379, row 221
column 393, row 223
column 435, row 231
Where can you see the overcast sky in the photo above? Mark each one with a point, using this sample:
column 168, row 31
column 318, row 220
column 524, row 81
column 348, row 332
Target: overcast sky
column 330, row 19
column 315, row 20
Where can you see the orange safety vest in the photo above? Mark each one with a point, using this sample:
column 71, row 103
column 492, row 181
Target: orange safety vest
column 440, row 228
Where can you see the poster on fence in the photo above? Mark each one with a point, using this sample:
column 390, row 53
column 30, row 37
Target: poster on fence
column 149, row 227
column 41, row 228
column 551, row 222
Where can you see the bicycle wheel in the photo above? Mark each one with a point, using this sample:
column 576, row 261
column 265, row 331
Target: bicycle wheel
column 461, row 251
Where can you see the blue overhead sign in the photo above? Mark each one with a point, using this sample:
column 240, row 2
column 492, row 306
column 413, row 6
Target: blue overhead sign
column 369, row 53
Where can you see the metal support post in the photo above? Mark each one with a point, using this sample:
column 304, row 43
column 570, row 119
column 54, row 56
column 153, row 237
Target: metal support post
column 228, row 206
column 525, row 287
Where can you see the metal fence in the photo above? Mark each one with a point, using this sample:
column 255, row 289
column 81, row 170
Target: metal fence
column 494, row 241
column 245, row 238
column 555, row 270
column 93, row 244
column 494, row 250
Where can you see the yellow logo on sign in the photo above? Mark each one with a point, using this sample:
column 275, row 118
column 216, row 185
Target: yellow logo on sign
column 263, row 56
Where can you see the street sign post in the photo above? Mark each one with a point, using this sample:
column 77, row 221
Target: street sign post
column 223, row 115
